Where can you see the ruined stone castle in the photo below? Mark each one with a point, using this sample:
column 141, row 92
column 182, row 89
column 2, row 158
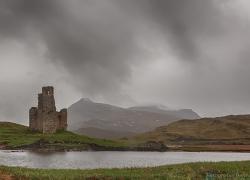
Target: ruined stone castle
column 45, row 118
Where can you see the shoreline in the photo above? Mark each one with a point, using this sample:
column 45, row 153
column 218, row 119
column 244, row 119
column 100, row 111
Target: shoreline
column 94, row 147
column 184, row 149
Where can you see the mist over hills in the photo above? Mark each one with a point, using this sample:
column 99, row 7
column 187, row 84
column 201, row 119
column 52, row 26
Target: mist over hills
column 181, row 113
column 108, row 121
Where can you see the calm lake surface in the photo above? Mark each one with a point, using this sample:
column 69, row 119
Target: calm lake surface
column 107, row 159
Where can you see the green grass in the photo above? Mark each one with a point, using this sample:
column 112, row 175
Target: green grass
column 209, row 171
column 15, row 136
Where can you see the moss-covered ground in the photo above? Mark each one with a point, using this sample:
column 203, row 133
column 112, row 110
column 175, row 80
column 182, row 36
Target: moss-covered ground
column 190, row 171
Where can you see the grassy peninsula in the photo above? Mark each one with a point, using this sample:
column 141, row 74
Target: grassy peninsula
column 220, row 170
column 15, row 136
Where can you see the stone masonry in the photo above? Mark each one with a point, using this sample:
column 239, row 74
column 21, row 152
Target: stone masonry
column 45, row 118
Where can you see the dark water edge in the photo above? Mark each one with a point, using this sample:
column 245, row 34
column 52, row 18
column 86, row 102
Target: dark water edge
column 150, row 146
column 44, row 146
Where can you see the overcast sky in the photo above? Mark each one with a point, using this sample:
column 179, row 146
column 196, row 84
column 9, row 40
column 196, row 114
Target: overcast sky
column 181, row 53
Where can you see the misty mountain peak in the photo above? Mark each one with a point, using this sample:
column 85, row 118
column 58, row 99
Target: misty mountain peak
column 104, row 120
column 85, row 100
column 161, row 106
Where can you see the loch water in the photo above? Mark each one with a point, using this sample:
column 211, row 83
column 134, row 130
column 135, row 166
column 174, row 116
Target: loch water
column 111, row 159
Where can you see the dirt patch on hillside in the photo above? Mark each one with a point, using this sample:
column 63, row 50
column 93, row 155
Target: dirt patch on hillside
column 2, row 146
column 4, row 176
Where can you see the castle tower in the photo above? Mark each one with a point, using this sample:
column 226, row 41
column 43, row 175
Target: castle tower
column 45, row 118
column 46, row 100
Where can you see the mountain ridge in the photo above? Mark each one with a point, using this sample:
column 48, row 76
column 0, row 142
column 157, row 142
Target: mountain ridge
column 86, row 114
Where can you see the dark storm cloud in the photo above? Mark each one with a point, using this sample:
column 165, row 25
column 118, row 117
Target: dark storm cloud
column 99, row 42
column 95, row 40
column 95, row 44
column 186, row 21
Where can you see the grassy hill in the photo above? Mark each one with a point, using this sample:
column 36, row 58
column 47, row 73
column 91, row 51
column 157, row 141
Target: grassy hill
column 231, row 130
column 229, row 133
column 220, row 170
column 15, row 136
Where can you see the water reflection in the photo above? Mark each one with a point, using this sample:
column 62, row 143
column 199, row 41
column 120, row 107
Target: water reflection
column 106, row 159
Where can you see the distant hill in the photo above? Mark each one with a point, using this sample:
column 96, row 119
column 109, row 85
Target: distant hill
column 108, row 134
column 181, row 114
column 228, row 129
column 108, row 121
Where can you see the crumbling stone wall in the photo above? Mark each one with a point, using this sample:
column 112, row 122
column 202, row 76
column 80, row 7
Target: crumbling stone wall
column 45, row 118
column 33, row 118
column 62, row 115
